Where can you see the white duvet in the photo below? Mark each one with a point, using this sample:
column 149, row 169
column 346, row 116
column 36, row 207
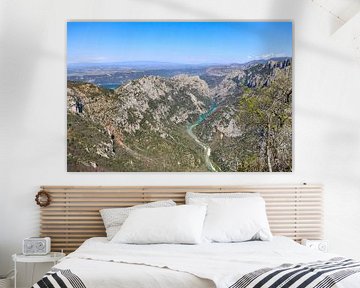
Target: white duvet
column 100, row 263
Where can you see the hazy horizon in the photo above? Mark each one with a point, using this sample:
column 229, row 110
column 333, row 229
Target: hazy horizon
column 172, row 63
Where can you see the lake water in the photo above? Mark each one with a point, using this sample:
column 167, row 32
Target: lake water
column 110, row 85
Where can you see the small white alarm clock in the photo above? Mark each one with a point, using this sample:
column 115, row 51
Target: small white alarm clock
column 36, row 246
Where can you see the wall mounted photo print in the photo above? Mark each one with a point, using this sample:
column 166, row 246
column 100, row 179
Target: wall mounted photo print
column 179, row 96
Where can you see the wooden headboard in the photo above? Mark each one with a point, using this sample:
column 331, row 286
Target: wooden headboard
column 73, row 215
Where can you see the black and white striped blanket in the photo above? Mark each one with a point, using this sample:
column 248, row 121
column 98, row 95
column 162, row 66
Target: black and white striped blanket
column 57, row 278
column 320, row 274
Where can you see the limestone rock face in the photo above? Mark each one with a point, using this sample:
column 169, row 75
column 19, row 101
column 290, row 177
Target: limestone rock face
column 143, row 124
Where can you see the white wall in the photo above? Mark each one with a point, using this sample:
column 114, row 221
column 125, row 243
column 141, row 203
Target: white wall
column 33, row 112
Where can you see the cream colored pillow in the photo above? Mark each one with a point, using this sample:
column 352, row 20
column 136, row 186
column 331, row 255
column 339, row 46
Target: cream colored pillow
column 168, row 225
column 236, row 220
column 113, row 218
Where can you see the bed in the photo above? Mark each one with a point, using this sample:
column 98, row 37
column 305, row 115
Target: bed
column 294, row 210
column 99, row 263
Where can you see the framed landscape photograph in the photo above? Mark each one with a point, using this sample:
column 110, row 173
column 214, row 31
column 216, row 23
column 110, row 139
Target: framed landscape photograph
column 179, row 96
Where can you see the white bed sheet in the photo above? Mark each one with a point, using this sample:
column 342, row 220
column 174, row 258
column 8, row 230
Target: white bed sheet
column 101, row 274
column 106, row 274
column 100, row 263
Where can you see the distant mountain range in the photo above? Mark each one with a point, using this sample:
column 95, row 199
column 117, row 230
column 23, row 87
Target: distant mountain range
column 145, row 65
column 138, row 65
column 259, row 61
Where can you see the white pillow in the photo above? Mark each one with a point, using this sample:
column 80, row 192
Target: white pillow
column 113, row 218
column 180, row 224
column 236, row 220
column 204, row 198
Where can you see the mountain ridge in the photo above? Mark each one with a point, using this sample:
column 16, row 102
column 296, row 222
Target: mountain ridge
column 142, row 124
column 171, row 65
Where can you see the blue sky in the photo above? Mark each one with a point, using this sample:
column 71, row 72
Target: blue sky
column 177, row 42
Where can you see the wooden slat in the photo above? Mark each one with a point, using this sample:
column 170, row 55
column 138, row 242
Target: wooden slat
column 73, row 216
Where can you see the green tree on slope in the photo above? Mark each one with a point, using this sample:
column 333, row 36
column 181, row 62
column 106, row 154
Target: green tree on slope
column 265, row 115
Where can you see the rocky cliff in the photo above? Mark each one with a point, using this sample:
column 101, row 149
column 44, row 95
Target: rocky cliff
column 143, row 125
column 137, row 127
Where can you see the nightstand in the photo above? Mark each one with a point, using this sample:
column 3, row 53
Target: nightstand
column 320, row 245
column 52, row 257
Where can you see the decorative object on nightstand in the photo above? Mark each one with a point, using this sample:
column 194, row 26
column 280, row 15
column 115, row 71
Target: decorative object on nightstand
column 320, row 245
column 36, row 246
column 52, row 257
